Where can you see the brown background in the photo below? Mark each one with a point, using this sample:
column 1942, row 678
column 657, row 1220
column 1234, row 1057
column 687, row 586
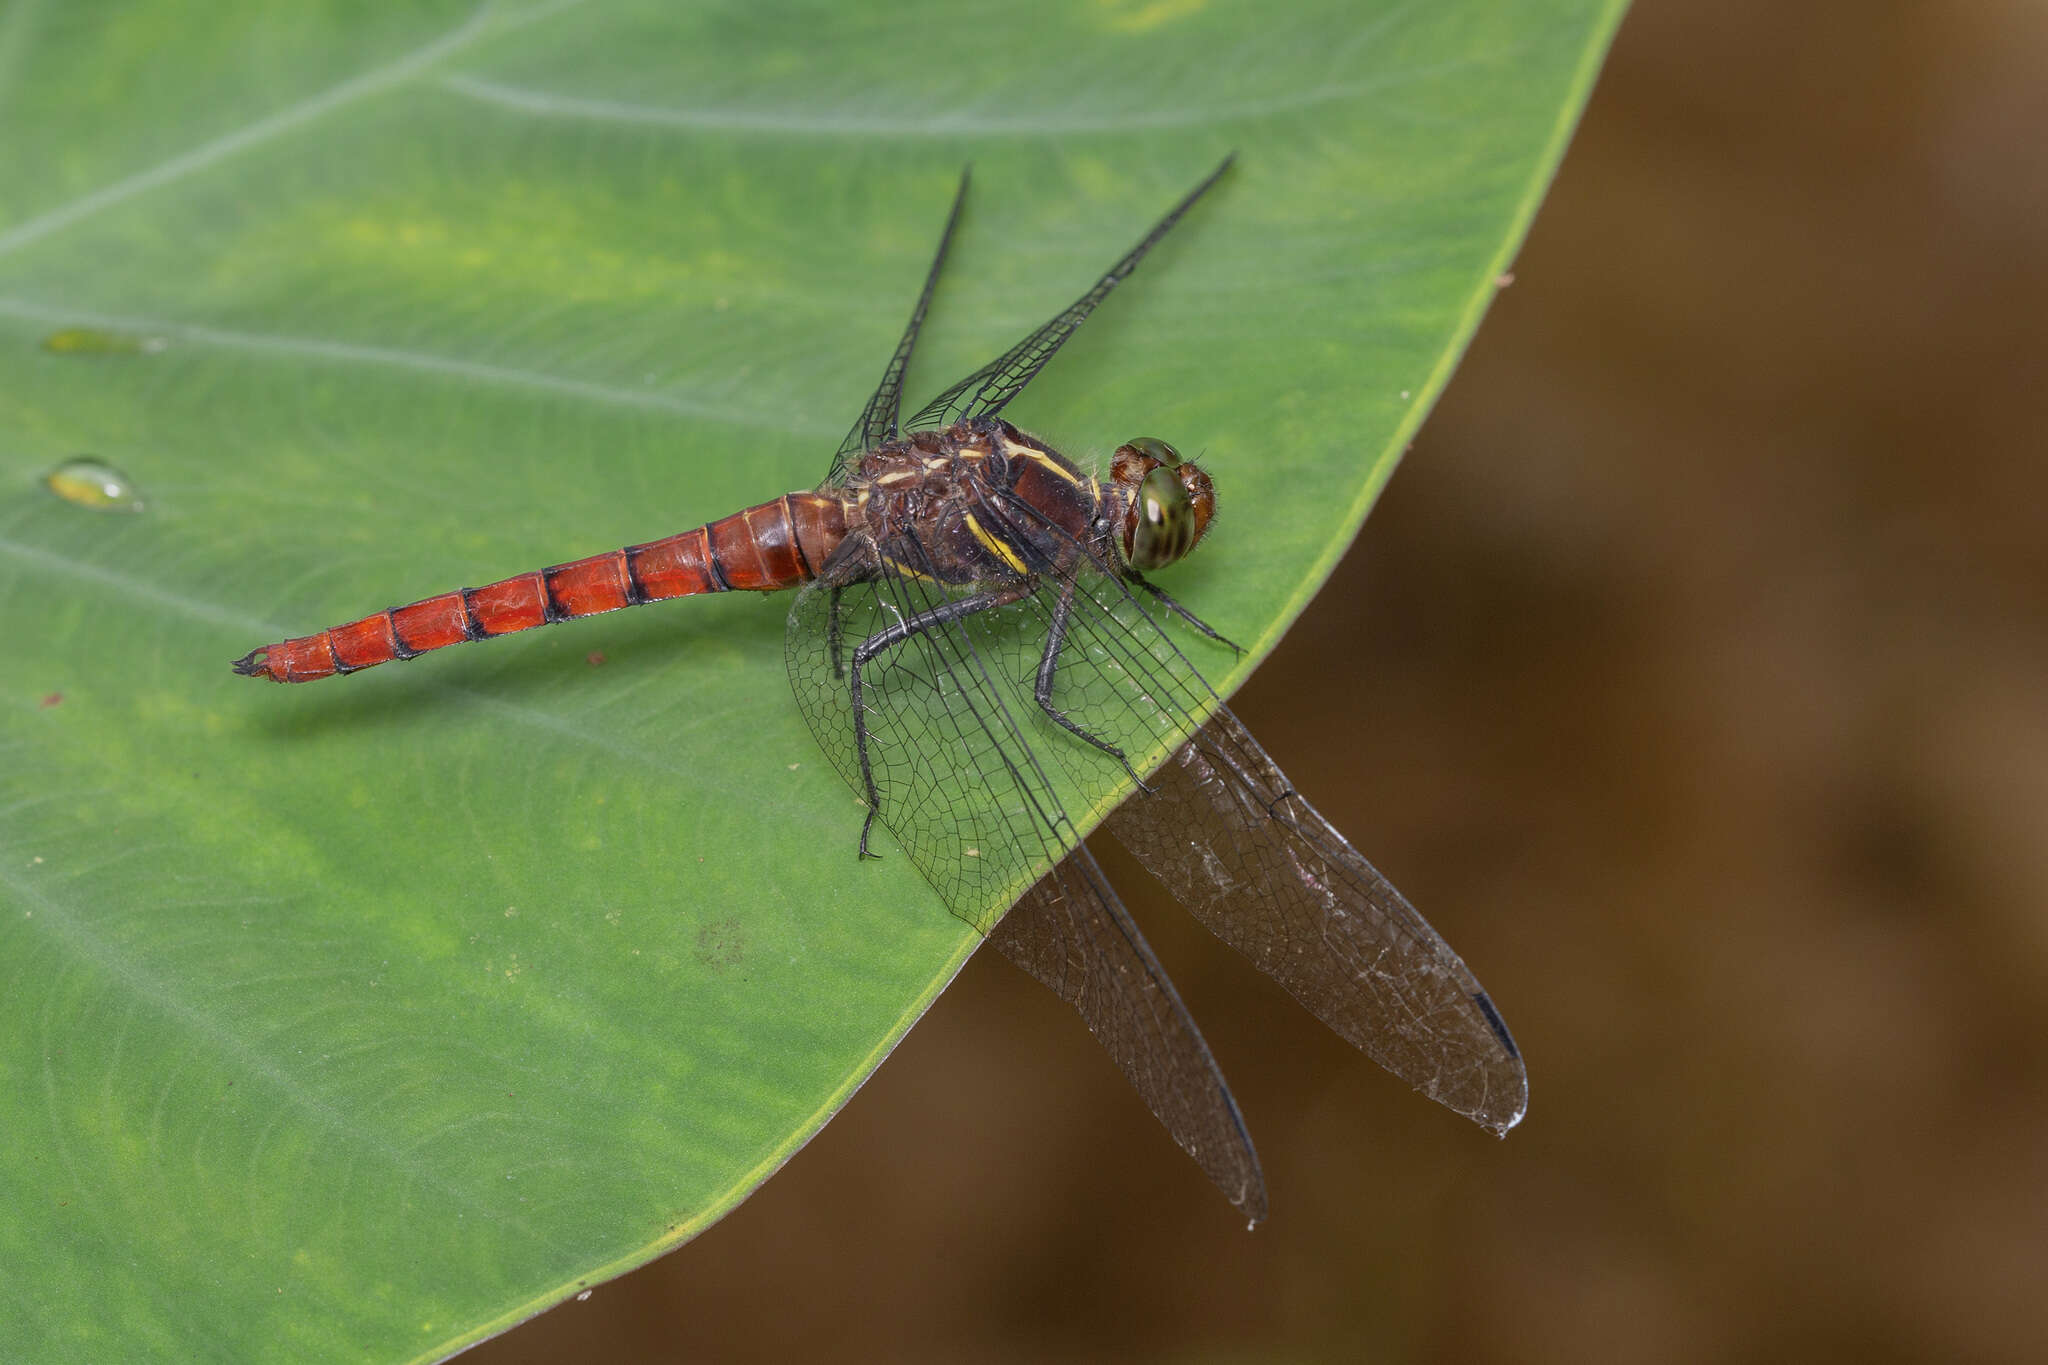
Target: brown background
column 1693, row 677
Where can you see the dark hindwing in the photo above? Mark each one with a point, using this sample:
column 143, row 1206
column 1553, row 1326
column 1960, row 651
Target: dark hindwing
column 1072, row 933
column 1223, row 829
column 1235, row 844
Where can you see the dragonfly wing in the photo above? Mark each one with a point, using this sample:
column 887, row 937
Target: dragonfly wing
column 877, row 422
column 1227, row 834
column 1072, row 933
column 1234, row 842
column 951, row 734
column 955, row 780
column 985, row 392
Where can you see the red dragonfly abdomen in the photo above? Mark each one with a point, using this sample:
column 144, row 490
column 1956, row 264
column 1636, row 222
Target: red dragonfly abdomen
column 774, row 545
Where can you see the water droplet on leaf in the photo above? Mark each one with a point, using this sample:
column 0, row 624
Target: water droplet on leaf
column 93, row 483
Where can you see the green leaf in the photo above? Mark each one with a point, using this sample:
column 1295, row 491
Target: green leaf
column 359, row 1021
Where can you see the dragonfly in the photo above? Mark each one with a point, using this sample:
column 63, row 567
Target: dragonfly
column 975, row 639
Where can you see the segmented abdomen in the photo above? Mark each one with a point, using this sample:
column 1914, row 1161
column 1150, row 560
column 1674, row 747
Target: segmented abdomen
column 775, row 545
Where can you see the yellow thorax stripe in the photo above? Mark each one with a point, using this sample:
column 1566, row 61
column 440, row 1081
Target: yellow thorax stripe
column 1043, row 460
column 994, row 546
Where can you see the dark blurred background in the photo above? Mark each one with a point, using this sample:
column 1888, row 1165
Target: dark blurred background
column 1692, row 677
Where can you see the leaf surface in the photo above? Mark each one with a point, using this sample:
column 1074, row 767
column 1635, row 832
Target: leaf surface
column 361, row 1020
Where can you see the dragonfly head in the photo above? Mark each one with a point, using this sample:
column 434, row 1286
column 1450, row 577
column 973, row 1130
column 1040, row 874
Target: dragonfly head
column 1167, row 502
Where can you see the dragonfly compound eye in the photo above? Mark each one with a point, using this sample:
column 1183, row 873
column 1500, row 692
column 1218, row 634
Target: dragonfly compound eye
column 1157, row 449
column 1165, row 524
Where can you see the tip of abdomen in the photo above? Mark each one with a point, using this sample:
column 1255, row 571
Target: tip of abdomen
column 253, row 664
column 291, row 661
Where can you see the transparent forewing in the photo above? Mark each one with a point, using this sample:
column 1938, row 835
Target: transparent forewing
column 1098, row 654
column 956, row 783
column 954, row 731
column 952, row 724
column 985, row 392
column 1072, row 933
column 1234, row 843
column 877, row 422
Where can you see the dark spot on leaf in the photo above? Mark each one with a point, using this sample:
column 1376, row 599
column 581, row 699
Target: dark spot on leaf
column 721, row 944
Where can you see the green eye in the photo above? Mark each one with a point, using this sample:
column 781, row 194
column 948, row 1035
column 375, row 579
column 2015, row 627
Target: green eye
column 1166, row 517
column 1157, row 449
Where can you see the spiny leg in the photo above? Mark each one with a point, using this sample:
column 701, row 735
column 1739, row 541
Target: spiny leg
column 834, row 635
column 1133, row 576
column 1048, row 665
column 944, row 614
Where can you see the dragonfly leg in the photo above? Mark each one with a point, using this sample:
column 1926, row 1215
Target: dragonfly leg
column 1133, row 576
column 944, row 614
column 1048, row 665
column 834, row 636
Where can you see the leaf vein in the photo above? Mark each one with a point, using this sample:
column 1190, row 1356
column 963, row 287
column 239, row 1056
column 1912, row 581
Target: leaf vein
column 372, row 82
column 851, row 123
column 424, row 362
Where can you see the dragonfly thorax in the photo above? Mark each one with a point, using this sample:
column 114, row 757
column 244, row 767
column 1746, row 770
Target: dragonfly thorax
column 978, row 502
